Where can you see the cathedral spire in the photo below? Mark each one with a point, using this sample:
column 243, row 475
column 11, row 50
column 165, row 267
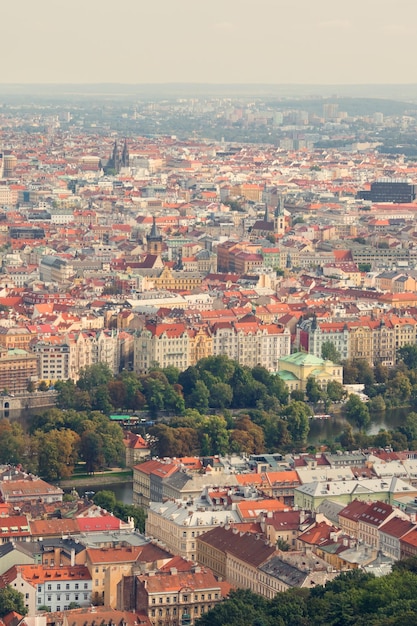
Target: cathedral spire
column 125, row 155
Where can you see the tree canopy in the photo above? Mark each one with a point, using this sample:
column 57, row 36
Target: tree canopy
column 107, row 500
column 354, row 598
column 11, row 600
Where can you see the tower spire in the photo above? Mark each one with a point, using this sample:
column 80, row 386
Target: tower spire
column 279, row 217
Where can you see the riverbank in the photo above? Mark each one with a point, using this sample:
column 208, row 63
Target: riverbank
column 97, row 479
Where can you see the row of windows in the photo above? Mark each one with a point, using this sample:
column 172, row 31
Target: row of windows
column 58, row 598
column 185, row 598
column 58, row 586
column 174, row 611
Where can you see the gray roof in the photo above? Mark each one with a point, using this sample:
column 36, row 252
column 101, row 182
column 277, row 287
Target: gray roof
column 67, row 545
column 286, row 573
column 331, row 510
column 53, row 261
column 27, row 547
column 178, row 480
column 93, row 540
column 5, row 548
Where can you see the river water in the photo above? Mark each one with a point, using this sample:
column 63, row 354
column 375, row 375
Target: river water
column 322, row 431
column 122, row 491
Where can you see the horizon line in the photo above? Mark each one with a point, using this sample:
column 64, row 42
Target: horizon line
column 254, row 84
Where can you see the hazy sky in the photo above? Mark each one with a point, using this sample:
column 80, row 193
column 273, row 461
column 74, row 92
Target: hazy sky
column 214, row 41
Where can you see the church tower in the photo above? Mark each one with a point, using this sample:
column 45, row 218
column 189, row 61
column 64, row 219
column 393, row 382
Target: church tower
column 114, row 161
column 279, row 217
column 154, row 239
column 125, row 155
column 266, row 214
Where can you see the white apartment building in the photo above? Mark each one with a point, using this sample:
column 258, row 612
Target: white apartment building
column 53, row 269
column 54, row 587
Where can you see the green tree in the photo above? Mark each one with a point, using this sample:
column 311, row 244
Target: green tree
column 13, row 442
column 11, row 600
column 215, row 428
column 242, row 608
column 134, row 397
column 199, row 397
column 409, row 427
column 174, row 400
column 365, row 372
column 335, row 391
column 398, row 441
column 165, row 440
column 220, row 366
column 376, row 405
column 347, row 438
column 277, row 388
column 381, row 373
column 155, row 395
column 313, row 391
column 71, row 397
column 172, row 374
column 399, row 388
column 350, row 372
column 188, row 379
column 91, row 451
column 137, row 513
column 297, row 394
column 296, row 414
column 100, row 399
column 408, row 354
column 106, row 499
column 221, row 395
column 382, row 439
column 357, row 411
column 94, row 376
column 57, row 453
column 329, row 352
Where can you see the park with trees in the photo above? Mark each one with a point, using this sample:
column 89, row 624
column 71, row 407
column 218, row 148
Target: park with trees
column 354, row 598
column 215, row 407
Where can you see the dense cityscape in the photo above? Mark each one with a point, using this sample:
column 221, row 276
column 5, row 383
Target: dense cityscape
column 208, row 357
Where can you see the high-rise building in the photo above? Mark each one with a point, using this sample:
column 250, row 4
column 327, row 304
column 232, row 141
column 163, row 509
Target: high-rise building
column 330, row 111
column 390, row 190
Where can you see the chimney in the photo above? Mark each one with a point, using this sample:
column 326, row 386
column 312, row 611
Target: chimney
column 173, row 571
column 72, row 557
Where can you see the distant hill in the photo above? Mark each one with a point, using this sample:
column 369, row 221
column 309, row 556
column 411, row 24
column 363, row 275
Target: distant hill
column 406, row 93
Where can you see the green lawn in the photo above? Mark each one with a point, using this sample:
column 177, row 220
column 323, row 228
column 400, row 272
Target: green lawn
column 79, row 472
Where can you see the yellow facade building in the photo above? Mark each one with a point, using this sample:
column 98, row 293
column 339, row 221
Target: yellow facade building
column 297, row 368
